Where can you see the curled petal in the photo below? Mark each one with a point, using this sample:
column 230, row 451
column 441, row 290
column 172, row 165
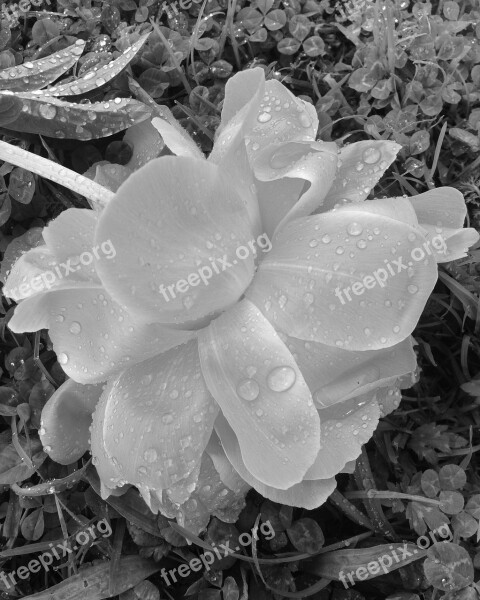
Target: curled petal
column 239, row 91
column 239, row 113
column 177, row 138
column 315, row 162
column 345, row 428
column 441, row 212
column 93, row 336
column 361, row 165
column 261, row 391
column 158, row 419
column 146, row 143
column 276, row 199
column 307, row 494
column 189, row 223
column 66, row 421
column 335, row 375
column 349, row 279
column 281, row 117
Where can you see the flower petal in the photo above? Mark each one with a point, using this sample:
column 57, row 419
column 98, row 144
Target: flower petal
column 185, row 211
column 275, row 199
column 238, row 118
column 361, row 166
column 345, row 428
column 262, row 393
column 177, row 138
column 66, row 421
column 210, row 497
column 165, row 404
column 239, row 91
column 281, row 117
column 146, row 142
column 388, row 399
column 108, row 472
column 442, row 212
column 70, row 235
column 306, row 494
column 315, row 162
column 109, row 175
column 304, row 284
column 25, row 276
column 335, row 375
column 93, row 336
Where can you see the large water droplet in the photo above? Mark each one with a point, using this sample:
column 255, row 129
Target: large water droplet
column 354, row 228
column 371, row 155
column 248, row 389
column 75, row 328
column 281, row 379
column 47, row 111
column 264, row 117
column 62, row 358
column 150, row 455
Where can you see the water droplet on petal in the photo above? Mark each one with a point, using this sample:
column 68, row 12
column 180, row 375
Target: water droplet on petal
column 354, row 228
column 47, row 111
column 62, row 358
column 361, row 244
column 150, row 455
column 248, row 389
column 412, row 289
column 326, row 239
column 264, row 117
column 75, row 328
column 281, row 379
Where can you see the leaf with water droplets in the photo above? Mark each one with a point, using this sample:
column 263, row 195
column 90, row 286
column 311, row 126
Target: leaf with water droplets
column 93, row 582
column 448, row 567
column 98, row 77
column 21, row 185
column 36, row 74
column 58, row 119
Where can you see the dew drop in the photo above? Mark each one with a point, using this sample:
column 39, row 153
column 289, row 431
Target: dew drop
column 264, row 117
column 354, row 228
column 326, row 239
column 62, row 358
column 47, row 111
column 412, row 289
column 281, row 379
column 167, row 419
column 150, row 455
column 60, row 319
column 75, row 328
column 371, row 155
column 248, row 389
column 361, row 244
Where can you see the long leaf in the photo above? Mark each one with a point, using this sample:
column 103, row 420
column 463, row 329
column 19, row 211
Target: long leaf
column 39, row 73
column 92, row 582
column 97, row 195
column 59, row 119
column 97, row 77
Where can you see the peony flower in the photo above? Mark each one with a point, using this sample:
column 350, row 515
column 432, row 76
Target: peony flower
column 204, row 371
